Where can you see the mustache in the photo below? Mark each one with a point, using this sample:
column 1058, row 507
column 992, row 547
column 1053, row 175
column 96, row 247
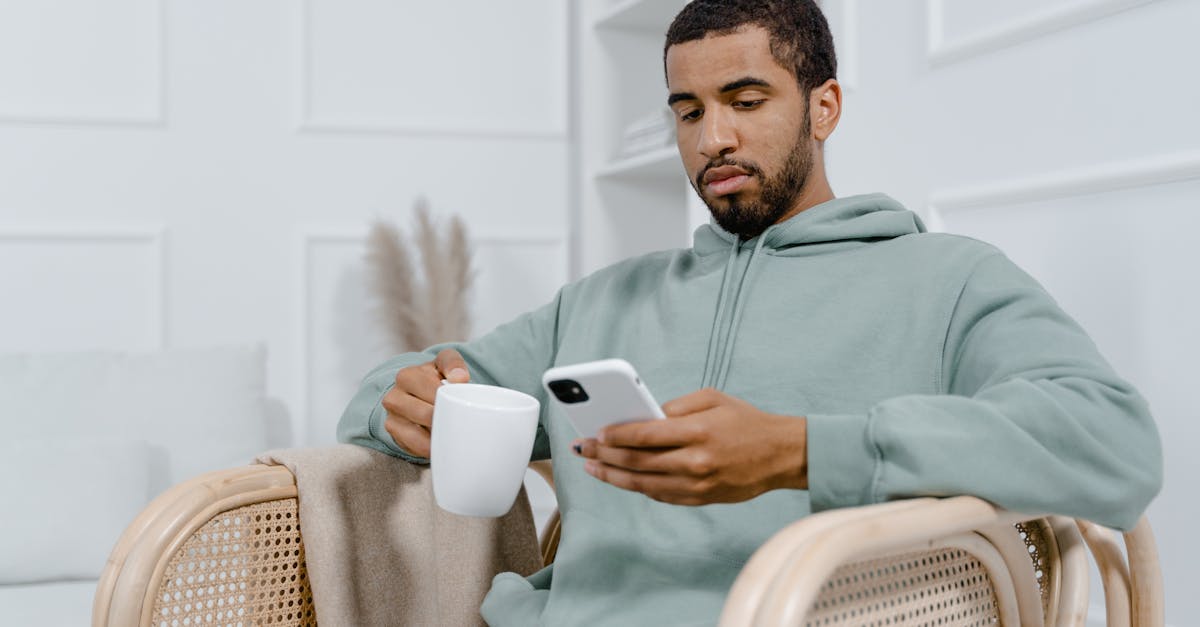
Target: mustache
column 748, row 166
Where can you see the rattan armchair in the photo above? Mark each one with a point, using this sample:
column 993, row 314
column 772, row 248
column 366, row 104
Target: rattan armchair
column 225, row 548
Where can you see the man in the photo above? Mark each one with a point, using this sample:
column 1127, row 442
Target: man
column 819, row 352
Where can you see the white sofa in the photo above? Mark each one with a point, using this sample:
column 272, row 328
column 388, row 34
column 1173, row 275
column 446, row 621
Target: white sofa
column 103, row 433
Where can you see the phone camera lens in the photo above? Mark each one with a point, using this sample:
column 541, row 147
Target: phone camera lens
column 568, row 391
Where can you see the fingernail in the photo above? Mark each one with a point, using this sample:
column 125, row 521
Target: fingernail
column 458, row 373
column 590, row 467
column 578, row 448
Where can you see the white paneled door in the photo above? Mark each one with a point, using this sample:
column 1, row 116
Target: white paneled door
column 1064, row 132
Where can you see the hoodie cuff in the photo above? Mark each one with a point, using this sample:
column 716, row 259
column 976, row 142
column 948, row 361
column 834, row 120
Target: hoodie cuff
column 841, row 461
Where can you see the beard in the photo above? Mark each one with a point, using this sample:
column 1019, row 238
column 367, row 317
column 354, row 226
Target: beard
column 748, row 216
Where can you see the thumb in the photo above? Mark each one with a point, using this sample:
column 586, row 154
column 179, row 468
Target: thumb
column 450, row 365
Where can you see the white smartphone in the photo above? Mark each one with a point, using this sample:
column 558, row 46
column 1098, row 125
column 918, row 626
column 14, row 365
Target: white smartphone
column 596, row 394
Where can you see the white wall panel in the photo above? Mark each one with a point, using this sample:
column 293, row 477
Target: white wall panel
column 494, row 68
column 67, row 289
column 341, row 338
column 843, row 17
column 342, row 335
column 959, row 29
column 1106, row 91
column 1063, row 132
column 197, row 116
column 81, row 61
column 965, row 18
column 1123, row 263
column 1079, row 181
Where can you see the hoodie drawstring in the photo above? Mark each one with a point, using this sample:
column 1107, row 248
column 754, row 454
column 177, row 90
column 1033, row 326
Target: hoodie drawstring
column 720, row 353
column 739, row 305
column 710, row 359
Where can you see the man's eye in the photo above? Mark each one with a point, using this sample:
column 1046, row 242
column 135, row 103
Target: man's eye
column 693, row 114
column 747, row 104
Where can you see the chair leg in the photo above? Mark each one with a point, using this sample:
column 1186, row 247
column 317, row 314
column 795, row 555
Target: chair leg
column 1145, row 574
column 550, row 538
column 1114, row 575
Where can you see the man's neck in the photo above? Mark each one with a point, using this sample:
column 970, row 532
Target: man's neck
column 817, row 191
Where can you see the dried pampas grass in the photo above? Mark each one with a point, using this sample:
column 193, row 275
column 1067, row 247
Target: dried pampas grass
column 418, row 313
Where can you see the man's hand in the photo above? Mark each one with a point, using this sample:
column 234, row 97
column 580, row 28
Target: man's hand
column 409, row 403
column 712, row 448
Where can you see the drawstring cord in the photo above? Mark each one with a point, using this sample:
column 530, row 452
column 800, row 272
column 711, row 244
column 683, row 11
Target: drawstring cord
column 720, row 353
column 739, row 306
column 718, row 317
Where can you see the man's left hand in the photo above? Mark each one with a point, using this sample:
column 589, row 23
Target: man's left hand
column 712, row 448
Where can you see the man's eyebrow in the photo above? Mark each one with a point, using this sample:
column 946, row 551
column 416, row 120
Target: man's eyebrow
column 742, row 83
column 677, row 96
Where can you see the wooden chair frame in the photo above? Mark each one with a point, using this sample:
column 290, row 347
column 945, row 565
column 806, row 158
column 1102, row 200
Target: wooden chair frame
column 778, row 586
column 129, row 583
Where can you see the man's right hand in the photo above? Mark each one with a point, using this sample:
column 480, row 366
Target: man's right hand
column 409, row 404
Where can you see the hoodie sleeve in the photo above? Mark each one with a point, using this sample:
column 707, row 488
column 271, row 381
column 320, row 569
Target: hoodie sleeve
column 1032, row 418
column 514, row 356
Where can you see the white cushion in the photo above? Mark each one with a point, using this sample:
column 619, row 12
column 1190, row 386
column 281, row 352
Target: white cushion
column 199, row 409
column 47, row 604
column 67, row 500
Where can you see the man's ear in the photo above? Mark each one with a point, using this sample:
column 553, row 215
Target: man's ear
column 825, row 109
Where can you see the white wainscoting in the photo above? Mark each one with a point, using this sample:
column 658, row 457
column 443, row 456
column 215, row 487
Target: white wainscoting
column 1091, row 179
column 948, row 47
column 1113, row 243
column 394, row 75
column 340, row 337
column 79, row 62
column 843, row 18
column 72, row 287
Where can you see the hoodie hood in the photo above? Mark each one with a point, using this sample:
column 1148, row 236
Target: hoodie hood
column 834, row 225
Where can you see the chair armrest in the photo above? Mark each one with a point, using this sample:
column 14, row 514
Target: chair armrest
column 225, row 543
column 965, row 546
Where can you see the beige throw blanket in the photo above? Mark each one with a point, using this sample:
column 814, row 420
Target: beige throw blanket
column 379, row 551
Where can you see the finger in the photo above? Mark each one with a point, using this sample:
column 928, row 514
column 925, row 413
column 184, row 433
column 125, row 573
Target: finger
column 656, row 486
column 420, row 381
column 630, row 458
column 653, row 434
column 688, row 461
column 699, row 400
column 408, row 407
column 408, row 435
column 451, row 366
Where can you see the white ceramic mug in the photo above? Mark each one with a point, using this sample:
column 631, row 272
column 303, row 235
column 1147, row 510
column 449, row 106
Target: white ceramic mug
column 482, row 437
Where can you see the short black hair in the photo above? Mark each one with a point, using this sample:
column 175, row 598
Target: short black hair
column 800, row 37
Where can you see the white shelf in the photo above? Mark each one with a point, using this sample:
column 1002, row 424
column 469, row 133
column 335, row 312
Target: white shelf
column 618, row 70
column 653, row 15
column 662, row 162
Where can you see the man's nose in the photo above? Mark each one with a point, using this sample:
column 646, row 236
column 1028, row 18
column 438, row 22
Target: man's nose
column 718, row 136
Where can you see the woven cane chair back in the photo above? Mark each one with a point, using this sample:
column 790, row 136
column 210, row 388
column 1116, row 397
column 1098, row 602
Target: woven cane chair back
column 243, row 567
column 946, row 587
column 221, row 549
column 945, row 563
column 942, row 587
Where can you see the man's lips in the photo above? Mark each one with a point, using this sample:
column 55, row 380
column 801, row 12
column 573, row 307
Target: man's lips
column 721, row 187
column 726, row 179
column 723, row 172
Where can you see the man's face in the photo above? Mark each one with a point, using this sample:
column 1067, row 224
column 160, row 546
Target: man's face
column 743, row 128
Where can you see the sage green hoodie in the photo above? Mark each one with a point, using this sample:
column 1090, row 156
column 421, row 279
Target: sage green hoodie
column 926, row 364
